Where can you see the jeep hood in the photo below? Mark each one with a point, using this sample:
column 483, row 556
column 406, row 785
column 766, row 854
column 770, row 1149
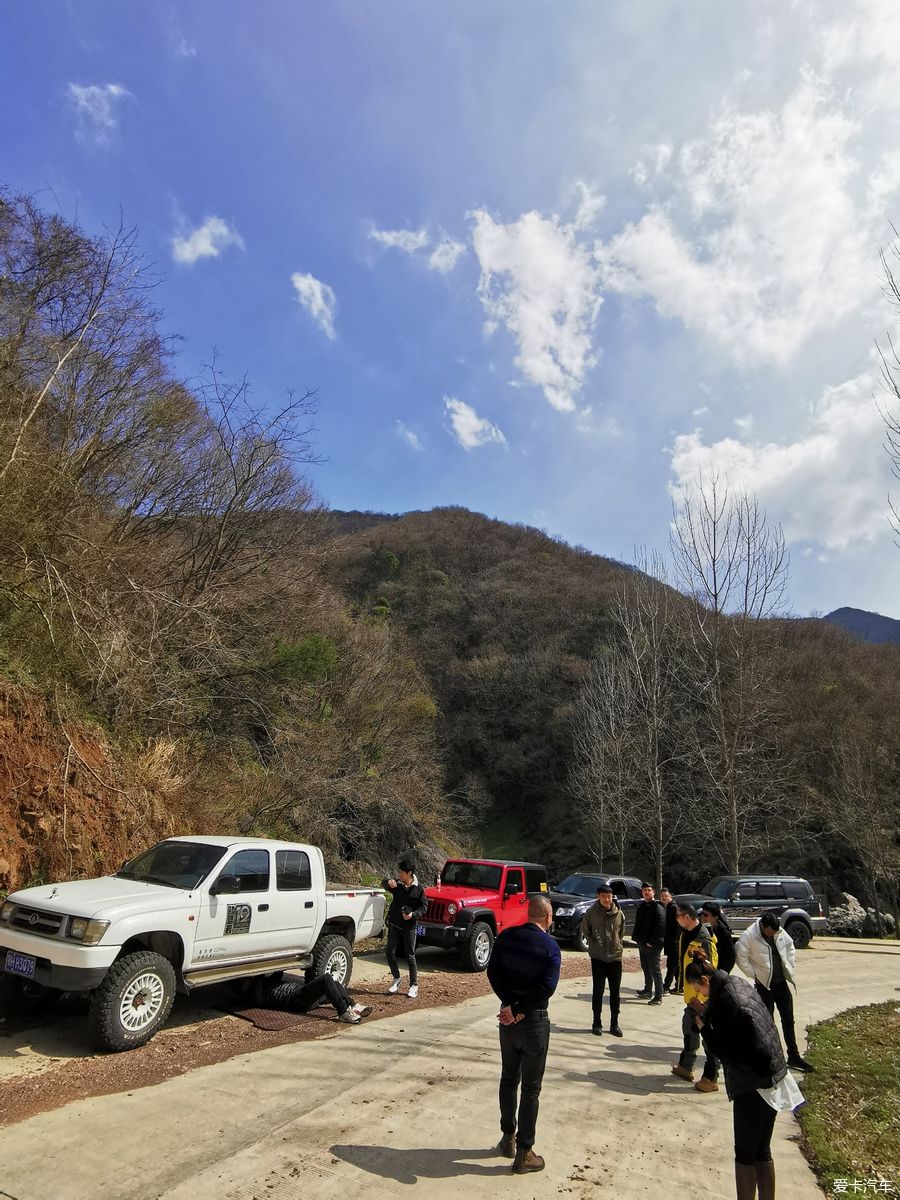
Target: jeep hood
column 470, row 896
column 108, row 897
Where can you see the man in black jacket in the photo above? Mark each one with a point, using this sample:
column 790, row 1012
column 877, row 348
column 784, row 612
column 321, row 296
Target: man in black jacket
column 649, row 932
column 672, row 938
column 524, row 972
column 407, row 903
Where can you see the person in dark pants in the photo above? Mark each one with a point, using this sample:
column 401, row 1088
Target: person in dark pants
column 739, row 1029
column 767, row 955
column 407, row 904
column 670, row 942
column 711, row 916
column 524, row 971
column 293, row 996
column 603, row 928
column 650, row 932
column 696, row 940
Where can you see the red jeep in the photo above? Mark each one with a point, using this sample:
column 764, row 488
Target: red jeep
column 473, row 901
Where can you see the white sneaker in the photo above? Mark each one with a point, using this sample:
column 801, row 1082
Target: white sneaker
column 413, row 991
column 362, row 1010
column 395, row 986
column 351, row 1017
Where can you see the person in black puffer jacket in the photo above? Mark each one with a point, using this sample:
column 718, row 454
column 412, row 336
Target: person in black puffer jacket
column 740, row 1031
column 672, row 938
column 711, row 915
column 407, row 904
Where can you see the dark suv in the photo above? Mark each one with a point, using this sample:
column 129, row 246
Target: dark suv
column 745, row 897
column 574, row 896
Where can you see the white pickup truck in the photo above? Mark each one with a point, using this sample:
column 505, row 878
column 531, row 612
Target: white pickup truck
column 188, row 912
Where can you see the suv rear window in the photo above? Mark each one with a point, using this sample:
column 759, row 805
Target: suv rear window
column 769, row 891
column 535, row 880
column 797, row 889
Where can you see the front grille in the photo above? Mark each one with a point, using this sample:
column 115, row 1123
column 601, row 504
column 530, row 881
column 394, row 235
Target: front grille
column 434, row 911
column 32, row 920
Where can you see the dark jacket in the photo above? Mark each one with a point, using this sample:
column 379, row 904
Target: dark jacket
column 725, row 944
column 673, row 932
column 650, row 924
column 604, row 929
column 411, row 898
column 740, row 1032
column 524, row 967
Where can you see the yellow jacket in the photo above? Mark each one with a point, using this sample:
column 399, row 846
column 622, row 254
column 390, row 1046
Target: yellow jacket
column 701, row 938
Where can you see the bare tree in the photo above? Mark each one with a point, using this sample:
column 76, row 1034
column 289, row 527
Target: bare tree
column 733, row 565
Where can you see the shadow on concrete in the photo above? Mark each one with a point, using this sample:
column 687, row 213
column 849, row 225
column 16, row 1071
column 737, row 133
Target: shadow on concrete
column 409, row 1166
column 623, row 1082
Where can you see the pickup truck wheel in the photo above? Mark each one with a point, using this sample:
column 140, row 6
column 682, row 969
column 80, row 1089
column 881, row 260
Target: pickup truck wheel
column 800, row 932
column 476, row 953
column 24, row 998
column 332, row 955
column 133, row 1002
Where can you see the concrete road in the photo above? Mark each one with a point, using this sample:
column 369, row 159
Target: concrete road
column 412, row 1101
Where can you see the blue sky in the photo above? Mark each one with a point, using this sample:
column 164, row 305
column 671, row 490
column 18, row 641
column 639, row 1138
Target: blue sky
column 547, row 261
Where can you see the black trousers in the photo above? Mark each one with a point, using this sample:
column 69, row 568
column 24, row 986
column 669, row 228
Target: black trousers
column 650, row 966
column 692, row 1039
column 523, row 1056
column 754, row 1121
column 406, row 938
column 781, row 996
column 603, row 973
column 301, row 997
column 671, row 968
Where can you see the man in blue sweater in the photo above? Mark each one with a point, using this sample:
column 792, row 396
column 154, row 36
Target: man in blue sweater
column 524, row 972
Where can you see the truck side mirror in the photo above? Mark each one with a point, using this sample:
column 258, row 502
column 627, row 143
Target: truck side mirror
column 226, row 885
column 513, row 888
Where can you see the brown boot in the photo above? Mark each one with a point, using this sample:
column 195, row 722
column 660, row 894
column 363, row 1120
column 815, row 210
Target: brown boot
column 507, row 1147
column 527, row 1161
column 765, row 1180
column 745, row 1180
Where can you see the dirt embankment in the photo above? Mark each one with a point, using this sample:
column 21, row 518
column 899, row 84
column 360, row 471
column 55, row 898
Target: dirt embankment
column 70, row 806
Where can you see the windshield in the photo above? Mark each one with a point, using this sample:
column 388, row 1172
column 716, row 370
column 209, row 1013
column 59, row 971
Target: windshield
column 720, row 888
column 173, row 864
column 579, row 885
column 473, row 875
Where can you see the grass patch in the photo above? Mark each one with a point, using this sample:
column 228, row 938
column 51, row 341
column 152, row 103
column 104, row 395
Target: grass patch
column 851, row 1121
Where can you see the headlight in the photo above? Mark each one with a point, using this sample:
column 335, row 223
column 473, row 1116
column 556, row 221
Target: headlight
column 564, row 912
column 6, row 911
column 452, row 909
column 87, row 932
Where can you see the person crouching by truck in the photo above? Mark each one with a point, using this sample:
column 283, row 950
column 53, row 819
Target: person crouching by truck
column 407, row 905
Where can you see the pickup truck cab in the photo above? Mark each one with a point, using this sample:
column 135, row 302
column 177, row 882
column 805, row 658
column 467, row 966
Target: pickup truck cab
column 576, row 893
column 473, row 901
column 745, row 897
column 188, row 912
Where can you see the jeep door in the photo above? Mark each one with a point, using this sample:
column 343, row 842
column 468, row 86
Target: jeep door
column 513, row 899
column 236, row 918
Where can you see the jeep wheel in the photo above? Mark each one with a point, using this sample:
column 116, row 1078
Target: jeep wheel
column 24, row 997
column 132, row 1002
column 800, row 932
column 476, row 953
column 332, row 955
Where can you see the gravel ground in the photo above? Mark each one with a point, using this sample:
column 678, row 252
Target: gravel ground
column 56, row 1064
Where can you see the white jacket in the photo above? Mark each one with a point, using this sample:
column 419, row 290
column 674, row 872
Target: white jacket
column 753, row 954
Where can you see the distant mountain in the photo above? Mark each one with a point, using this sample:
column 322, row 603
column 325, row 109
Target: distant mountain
column 867, row 626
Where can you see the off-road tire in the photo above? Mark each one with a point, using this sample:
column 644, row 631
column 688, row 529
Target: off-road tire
column 24, row 998
column 133, row 976
column 472, row 952
column 333, row 955
column 799, row 932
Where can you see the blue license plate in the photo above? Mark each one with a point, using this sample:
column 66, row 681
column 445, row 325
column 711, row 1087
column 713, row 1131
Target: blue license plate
column 20, row 964
column 420, row 931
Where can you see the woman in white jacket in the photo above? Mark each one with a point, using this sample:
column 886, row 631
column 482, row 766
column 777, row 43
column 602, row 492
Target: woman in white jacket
column 766, row 954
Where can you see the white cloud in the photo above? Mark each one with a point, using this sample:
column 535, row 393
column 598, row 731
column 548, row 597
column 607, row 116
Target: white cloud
column 761, row 242
column 318, row 299
column 744, row 424
column 409, row 436
column 590, row 204
column 540, row 283
column 97, row 108
column 700, row 412
column 208, row 240
column 407, row 240
column 445, row 255
column 468, row 428
column 828, row 487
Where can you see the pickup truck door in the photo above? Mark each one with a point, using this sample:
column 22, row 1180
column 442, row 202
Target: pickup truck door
column 297, row 905
column 237, row 925
column 513, row 899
